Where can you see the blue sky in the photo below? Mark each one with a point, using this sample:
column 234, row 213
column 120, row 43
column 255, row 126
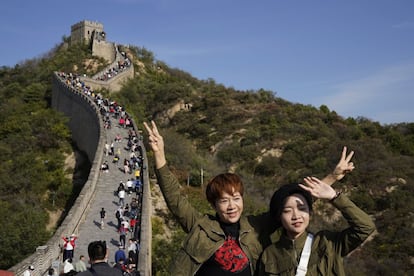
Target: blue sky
column 355, row 56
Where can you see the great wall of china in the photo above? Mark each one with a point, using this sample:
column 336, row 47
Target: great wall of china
column 89, row 134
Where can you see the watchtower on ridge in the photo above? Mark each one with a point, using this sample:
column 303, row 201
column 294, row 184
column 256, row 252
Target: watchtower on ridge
column 86, row 31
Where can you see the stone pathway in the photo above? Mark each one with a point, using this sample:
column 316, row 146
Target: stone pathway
column 105, row 197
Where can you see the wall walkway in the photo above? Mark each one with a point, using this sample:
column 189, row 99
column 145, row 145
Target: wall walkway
column 86, row 124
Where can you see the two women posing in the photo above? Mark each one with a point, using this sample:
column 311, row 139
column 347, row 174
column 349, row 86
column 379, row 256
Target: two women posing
column 230, row 243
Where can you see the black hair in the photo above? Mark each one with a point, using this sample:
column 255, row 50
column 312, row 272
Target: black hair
column 97, row 250
column 279, row 197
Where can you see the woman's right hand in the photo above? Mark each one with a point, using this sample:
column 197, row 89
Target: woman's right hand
column 345, row 165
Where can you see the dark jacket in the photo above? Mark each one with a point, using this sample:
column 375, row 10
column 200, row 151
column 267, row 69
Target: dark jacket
column 328, row 248
column 205, row 235
column 101, row 269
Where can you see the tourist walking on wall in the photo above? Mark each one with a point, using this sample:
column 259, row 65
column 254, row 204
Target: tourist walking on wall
column 120, row 254
column 51, row 272
column 129, row 186
column 126, row 166
column 29, row 271
column 122, row 235
column 112, row 148
column 68, row 266
column 98, row 254
column 80, row 265
column 121, row 195
column 106, row 148
column 102, row 213
column 105, row 166
column 68, row 247
column 119, row 213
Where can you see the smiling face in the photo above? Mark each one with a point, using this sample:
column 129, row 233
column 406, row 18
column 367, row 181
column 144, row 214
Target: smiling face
column 295, row 215
column 225, row 194
column 229, row 207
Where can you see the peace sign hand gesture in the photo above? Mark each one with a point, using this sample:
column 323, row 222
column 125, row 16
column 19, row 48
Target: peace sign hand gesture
column 344, row 165
column 156, row 143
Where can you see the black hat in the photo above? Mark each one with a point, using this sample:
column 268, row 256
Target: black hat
column 278, row 199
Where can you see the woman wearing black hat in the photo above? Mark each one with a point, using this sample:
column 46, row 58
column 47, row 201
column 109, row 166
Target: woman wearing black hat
column 299, row 252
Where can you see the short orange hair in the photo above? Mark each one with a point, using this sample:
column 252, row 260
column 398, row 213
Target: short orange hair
column 225, row 182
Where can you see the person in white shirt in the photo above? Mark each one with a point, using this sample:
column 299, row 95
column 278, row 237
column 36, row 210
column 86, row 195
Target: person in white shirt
column 29, row 271
column 125, row 224
column 68, row 266
column 129, row 185
column 132, row 246
column 121, row 195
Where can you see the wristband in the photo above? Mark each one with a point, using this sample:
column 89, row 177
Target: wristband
column 336, row 196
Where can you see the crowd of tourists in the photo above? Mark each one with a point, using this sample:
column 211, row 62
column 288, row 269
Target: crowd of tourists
column 119, row 67
column 125, row 145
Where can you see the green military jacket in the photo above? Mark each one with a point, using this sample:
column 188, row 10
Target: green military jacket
column 328, row 248
column 205, row 235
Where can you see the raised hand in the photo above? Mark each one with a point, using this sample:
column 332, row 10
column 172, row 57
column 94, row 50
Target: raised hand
column 318, row 188
column 156, row 143
column 344, row 165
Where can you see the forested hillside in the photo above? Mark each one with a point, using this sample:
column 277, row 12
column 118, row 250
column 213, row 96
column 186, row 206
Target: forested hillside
column 210, row 127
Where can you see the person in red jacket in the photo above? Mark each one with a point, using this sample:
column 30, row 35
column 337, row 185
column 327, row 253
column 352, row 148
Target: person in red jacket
column 68, row 246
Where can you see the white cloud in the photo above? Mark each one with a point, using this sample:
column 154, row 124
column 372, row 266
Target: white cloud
column 395, row 115
column 386, row 96
column 404, row 25
column 128, row 1
column 178, row 51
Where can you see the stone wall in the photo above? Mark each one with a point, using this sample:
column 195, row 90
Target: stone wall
column 144, row 258
column 85, row 121
column 82, row 112
column 103, row 49
column 86, row 125
column 109, row 51
column 113, row 84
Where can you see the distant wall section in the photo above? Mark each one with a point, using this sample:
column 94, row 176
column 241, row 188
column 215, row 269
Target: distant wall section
column 83, row 118
column 114, row 84
column 103, row 49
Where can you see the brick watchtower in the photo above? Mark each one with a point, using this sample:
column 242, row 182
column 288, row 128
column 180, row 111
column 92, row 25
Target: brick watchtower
column 85, row 31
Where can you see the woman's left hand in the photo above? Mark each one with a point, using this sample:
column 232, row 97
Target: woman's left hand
column 318, row 188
